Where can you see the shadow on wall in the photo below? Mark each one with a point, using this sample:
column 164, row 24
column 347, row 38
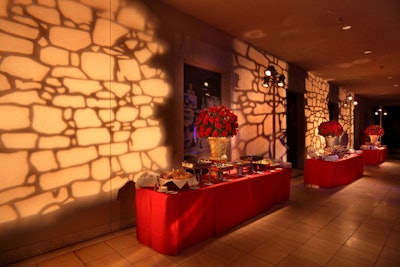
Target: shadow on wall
column 90, row 220
column 60, row 228
column 126, row 198
column 78, row 92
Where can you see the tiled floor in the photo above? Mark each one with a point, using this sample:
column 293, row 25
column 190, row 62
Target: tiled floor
column 355, row 225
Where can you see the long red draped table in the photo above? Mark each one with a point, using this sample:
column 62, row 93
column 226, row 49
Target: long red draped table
column 374, row 156
column 171, row 222
column 333, row 173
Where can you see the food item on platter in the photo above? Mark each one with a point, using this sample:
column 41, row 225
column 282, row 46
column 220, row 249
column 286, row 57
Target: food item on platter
column 163, row 188
column 242, row 163
column 198, row 164
column 263, row 162
column 176, row 174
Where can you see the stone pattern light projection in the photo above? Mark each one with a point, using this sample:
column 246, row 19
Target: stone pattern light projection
column 253, row 104
column 346, row 115
column 77, row 101
column 317, row 111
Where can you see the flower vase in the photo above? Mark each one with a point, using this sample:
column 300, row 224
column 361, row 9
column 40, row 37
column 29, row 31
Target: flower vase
column 373, row 138
column 330, row 140
column 218, row 146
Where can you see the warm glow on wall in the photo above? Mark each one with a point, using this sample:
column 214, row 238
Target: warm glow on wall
column 77, row 101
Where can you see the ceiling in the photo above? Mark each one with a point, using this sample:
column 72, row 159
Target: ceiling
column 309, row 34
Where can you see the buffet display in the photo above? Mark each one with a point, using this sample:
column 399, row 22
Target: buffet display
column 169, row 223
column 217, row 171
column 204, row 198
column 241, row 166
column 333, row 153
column 333, row 173
column 374, row 153
column 197, row 173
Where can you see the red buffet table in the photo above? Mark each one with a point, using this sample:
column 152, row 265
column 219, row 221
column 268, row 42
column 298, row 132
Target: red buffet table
column 170, row 223
column 333, row 173
column 374, row 156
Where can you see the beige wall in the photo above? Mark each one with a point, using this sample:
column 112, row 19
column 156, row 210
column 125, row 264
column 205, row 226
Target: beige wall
column 254, row 104
column 316, row 112
column 81, row 93
column 91, row 95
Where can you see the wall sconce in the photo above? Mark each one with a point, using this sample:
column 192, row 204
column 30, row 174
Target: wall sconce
column 380, row 112
column 350, row 100
column 272, row 77
column 206, row 88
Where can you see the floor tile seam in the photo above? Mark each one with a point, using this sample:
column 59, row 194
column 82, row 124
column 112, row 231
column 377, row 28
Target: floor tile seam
column 49, row 255
column 386, row 242
column 132, row 263
column 113, row 251
column 344, row 245
column 304, row 243
column 215, row 258
column 377, row 208
column 269, row 262
column 42, row 257
column 253, row 239
column 333, row 218
column 80, row 259
column 358, row 227
column 379, row 254
column 347, row 259
column 300, row 256
column 249, row 254
column 256, row 247
column 112, row 236
column 274, row 236
column 91, row 242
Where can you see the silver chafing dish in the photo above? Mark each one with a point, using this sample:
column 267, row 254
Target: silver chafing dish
column 219, row 169
column 197, row 167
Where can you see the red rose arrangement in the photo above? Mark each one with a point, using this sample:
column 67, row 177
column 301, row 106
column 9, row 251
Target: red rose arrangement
column 374, row 130
column 330, row 128
column 216, row 122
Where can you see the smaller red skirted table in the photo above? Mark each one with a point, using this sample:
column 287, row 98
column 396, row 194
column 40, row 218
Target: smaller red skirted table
column 374, row 156
column 333, row 173
column 170, row 223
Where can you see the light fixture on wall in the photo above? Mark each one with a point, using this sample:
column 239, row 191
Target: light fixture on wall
column 206, row 88
column 273, row 80
column 349, row 104
column 350, row 100
column 380, row 112
column 272, row 77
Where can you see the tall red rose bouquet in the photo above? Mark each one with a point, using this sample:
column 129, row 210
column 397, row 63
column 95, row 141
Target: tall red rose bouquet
column 216, row 122
column 374, row 130
column 330, row 128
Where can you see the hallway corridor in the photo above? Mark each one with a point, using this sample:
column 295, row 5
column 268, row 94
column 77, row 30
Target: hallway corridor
column 355, row 225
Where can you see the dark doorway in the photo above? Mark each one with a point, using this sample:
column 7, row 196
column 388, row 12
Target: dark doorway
column 333, row 111
column 391, row 126
column 295, row 129
column 202, row 90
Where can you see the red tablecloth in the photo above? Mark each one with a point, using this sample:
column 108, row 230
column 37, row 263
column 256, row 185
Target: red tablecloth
column 374, row 156
column 332, row 174
column 170, row 223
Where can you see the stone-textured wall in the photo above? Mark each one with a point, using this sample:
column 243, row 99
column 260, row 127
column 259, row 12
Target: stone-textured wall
column 346, row 115
column 317, row 111
column 78, row 102
column 253, row 104
column 76, row 99
column 82, row 95
column 81, row 92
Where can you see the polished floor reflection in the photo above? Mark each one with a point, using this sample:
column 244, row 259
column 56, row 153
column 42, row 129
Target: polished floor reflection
column 354, row 225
